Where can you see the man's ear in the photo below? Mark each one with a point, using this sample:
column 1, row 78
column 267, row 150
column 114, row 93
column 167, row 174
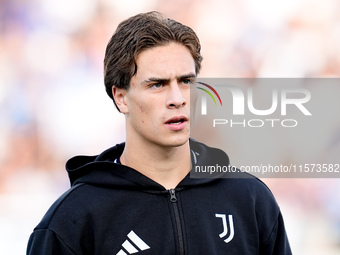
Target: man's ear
column 119, row 95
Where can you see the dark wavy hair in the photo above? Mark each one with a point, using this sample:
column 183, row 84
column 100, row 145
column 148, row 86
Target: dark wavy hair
column 138, row 33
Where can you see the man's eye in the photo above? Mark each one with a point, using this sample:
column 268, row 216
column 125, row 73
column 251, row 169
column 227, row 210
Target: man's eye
column 187, row 81
column 156, row 85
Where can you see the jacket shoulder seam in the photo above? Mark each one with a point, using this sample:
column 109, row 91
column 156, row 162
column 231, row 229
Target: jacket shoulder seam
column 273, row 228
column 54, row 208
column 61, row 240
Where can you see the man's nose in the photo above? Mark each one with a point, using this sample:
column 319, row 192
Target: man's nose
column 176, row 98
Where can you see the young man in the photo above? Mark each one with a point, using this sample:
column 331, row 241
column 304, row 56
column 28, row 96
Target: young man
column 137, row 197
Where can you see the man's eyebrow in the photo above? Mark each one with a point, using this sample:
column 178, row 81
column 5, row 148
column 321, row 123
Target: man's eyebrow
column 186, row 76
column 162, row 80
column 155, row 79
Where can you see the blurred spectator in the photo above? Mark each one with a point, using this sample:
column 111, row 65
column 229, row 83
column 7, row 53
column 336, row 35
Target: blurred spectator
column 52, row 94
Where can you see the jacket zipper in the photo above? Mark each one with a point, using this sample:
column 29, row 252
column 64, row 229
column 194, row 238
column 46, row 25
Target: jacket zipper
column 173, row 200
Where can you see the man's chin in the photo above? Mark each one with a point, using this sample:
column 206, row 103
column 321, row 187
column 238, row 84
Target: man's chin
column 178, row 141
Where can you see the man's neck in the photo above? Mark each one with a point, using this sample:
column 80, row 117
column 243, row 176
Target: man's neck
column 165, row 165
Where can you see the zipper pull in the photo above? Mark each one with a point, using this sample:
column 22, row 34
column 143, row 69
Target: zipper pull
column 173, row 197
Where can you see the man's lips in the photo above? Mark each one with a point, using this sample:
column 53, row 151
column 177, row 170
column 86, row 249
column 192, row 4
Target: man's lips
column 177, row 123
column 176, row 120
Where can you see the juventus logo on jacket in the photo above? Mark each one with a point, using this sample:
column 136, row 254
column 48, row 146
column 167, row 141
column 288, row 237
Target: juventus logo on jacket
column 225, row 226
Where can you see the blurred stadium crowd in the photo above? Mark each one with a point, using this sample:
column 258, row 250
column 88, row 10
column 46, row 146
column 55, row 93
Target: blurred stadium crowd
column 53, row 103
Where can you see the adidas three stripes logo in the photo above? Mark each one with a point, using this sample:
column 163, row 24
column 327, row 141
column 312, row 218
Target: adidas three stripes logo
column 133, row 244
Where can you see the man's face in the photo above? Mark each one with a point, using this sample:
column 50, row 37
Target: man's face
column 157, row 104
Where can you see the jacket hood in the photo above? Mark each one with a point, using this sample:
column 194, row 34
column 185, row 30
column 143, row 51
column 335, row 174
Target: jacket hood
column 101, row 170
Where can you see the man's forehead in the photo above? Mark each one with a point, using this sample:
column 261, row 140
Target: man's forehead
column 161, row 53
column 173, row 58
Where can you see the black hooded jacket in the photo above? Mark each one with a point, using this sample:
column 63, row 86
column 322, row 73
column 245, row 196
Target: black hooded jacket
column 114, row 209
